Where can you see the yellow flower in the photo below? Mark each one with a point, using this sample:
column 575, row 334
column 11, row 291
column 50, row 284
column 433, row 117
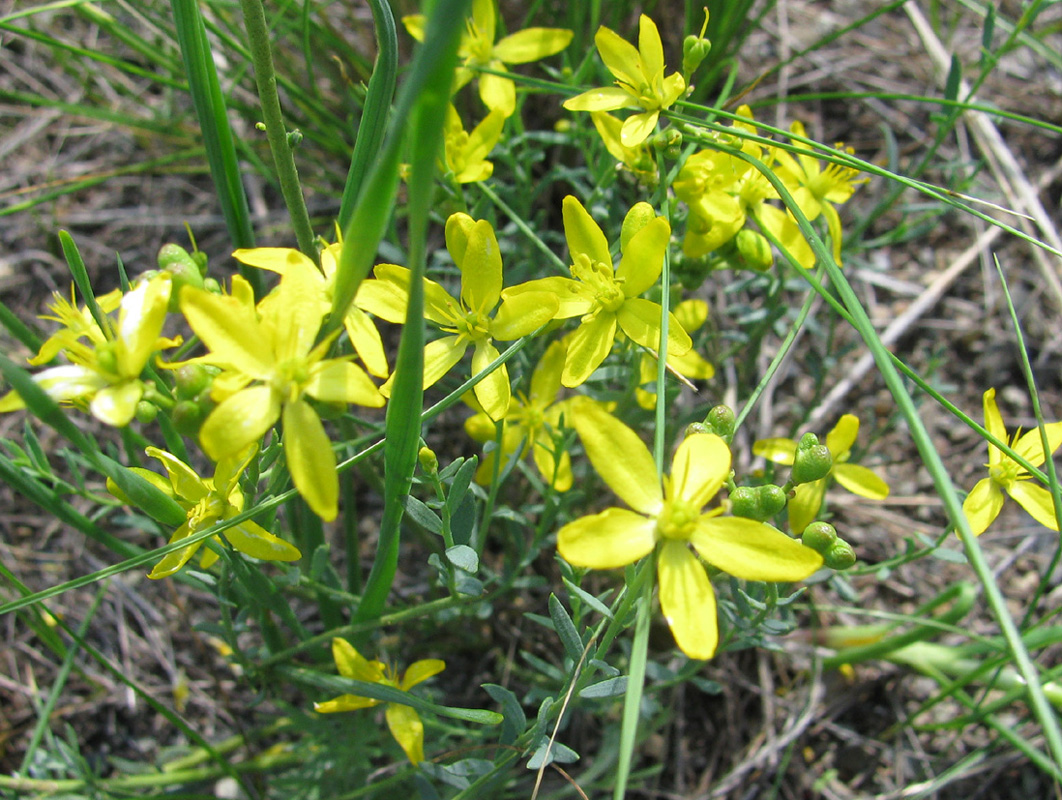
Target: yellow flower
column 466, row 153
column 815, row 189
column 670, row 514
column 640, row 81
column 106, row 369
column 691, row 314
column 474, row 248
column 272, row 366
column 208, row 501
column 74, row 323
column 403, row 721
column 531, row 424
column 607, row 299
column 804, row 507
column 478, row 50
column 985, row 500
column 362, row 332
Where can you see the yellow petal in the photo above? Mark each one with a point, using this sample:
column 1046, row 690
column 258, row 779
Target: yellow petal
column 687, row 600
column 584, row 236
column 692, row 313
column 619, row 457
column 352, row 664
column 982, row 505
column 339, row 381
column 481, row 269
column 531, row 44
column 650, row 48
column 497, row 93
column 366, row 341
column 185, row 481
column 558, row 473
column 230, row 329
column 281, row 260
column 861, row 481
column 752, row 550
column 407, row 729
column 523, row 314
column 620, row 56
column 116, row 405
column 607, row 98
column 1037, row 501
column 545, row 380
column 493, row 391
column 573, row 298
column 780, row 451
column 414, row 24
column 994, row 425
column 637, row 127
column 440, row 357
column 700, row 467
column 172, row 562
column 804, row 507
column 254, row 540
column 310, row 459
column 420, row 671
column 843, row 436
column 587, row 348
column 140, row 319
column 345, row 702
column 238, row 421
column 643, row 257
column 640, row 320
column 614, row 538
column 1031, row 447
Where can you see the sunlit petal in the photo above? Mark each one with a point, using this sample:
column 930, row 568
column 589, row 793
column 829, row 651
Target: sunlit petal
column 843, row 436
column 408, row 730
column 584, row 236
column 1037, row 501
column 420, row 671
column 239, row 420
column 805, row 506
column 339, row 381
column 780, row 451
column 700, row 467
column 532, row 44
column 982, row 505
column 619, row 457
column 687, row 601
column 254, row 540
column 614, row 538
column 643, row 257
column 310, row 459
column 587, row 348
column 752, row 550
column 861, row 481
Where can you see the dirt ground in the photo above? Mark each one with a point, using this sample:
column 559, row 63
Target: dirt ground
column 778, row 723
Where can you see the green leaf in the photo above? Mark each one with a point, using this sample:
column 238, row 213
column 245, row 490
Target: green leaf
column 565, row 628
column 515, row 719
column 463, row 557
column 610, row 687
column 423, row 515
column 459, row 485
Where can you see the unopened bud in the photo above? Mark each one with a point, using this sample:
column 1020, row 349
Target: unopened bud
column 839, row 556
column 757, row 502
column 753, row 249
column 429, row 462
column 812, row 460
column 720, row 421
column 695, row 49
column 146, row 412
column 819, row 536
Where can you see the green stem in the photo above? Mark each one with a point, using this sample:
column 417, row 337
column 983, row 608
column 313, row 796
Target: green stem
column 632, row 701
column 283, row 158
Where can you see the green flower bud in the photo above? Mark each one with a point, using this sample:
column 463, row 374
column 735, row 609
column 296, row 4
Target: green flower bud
column 183, row 269
column 696, row 427
column 819, row 536
column 212, row 285
column 812, row 460
column 839, row 556
column 146, row 412
column 757, row 502
column 187, row 416
column 669, row 141
column 640, row 215
column 191, row 379
column 429, row 462
column 106, row 359
column 720, row 421
column 695, row 49
column 753, row 250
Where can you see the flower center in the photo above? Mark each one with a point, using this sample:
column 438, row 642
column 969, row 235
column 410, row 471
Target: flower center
column 1005, row 473
column 480, row 49
column 608, row 293
column 677, row 519
column 290, row 377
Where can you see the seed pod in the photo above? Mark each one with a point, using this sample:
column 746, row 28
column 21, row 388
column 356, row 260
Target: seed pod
column 720, row 421
column 183, row 270
column 753, row 250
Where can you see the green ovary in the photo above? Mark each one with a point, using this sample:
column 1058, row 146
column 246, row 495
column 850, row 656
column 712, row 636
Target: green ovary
column 1005, row 473
column 677, row 520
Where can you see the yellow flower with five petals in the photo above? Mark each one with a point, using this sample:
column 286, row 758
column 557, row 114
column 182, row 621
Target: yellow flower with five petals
column 208, row 501
column 606, row 299
column 640, row 81
column 474, row 248
column 985, row 500
column 669, row 514
column 403, row 722
column 272, row 365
